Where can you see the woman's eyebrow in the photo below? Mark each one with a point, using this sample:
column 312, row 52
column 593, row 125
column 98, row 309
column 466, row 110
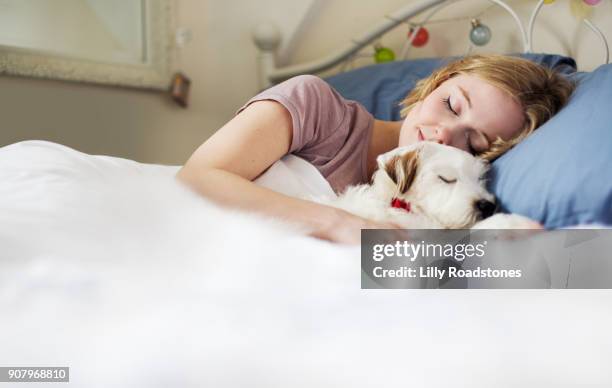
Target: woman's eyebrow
column 467, row 96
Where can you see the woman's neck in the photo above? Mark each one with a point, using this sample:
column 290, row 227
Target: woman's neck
column 385, row 137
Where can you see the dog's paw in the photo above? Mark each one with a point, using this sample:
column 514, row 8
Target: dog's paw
column 507, row 221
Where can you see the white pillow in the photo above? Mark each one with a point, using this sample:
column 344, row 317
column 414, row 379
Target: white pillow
column 296, row 177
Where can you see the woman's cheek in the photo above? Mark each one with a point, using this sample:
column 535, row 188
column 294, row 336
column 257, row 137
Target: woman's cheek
column 429, row 110
column 416, row 110
column 404, row 137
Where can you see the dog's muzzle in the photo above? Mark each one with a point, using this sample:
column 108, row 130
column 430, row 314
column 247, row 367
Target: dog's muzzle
column 486, row 208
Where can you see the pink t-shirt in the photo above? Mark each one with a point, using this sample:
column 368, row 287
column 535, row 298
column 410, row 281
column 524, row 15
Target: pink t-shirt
column 330, row 132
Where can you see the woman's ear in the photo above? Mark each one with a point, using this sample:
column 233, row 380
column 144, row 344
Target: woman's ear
column 402, row 169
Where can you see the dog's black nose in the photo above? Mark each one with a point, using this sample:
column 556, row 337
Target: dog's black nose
column 486, row 208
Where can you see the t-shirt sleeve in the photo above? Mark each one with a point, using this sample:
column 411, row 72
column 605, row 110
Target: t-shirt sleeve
column 317, row 110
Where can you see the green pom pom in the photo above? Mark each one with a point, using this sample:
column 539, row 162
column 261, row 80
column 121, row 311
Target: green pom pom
column 384, row 54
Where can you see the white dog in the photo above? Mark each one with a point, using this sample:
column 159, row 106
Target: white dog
column 428, row 185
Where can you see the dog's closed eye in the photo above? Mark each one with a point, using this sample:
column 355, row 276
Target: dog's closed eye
column 447, row 180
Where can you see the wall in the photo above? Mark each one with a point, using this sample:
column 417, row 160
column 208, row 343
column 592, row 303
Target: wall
column 221, row 61
column 148, row 126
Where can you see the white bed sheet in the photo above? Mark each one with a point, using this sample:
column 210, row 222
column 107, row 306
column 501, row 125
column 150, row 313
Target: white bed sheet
column 112, row 268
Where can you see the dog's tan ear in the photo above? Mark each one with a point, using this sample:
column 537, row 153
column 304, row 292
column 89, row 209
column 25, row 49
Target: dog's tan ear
column 402, row 169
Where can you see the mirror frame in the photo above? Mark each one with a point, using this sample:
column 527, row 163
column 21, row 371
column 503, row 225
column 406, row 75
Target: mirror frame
column 153, row 74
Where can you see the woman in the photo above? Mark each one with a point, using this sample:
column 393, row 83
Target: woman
column 483, row 104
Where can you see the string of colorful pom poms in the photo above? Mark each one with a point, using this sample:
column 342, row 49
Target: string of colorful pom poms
column 480, row 34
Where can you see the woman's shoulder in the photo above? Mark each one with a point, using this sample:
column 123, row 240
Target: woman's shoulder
column 307, row 80
column 304, row 87
column 313, row 103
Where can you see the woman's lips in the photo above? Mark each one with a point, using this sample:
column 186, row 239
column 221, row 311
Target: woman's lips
column 420, row 134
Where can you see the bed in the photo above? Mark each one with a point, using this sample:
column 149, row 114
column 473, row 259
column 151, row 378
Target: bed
column 114, row 269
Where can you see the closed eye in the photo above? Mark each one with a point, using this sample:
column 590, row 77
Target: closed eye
column 446, row 180
column 446, row 102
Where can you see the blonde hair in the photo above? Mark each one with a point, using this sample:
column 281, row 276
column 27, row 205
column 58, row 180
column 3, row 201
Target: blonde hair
column 542, row 92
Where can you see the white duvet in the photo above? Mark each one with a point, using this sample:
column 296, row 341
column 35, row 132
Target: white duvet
column 110, row 267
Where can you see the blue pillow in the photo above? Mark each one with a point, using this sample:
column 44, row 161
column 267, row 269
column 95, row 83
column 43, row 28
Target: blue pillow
column 562, row 173
column 380, row 88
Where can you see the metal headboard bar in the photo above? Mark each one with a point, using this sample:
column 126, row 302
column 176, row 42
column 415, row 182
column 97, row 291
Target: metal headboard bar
column 267, row 39
column 499, row 3
column 588, row 23
column 602, row 38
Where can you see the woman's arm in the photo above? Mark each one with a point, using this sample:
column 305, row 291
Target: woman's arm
column 222, row 169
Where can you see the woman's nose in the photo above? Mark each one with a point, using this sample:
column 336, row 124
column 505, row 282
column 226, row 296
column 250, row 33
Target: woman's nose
column 443, row 135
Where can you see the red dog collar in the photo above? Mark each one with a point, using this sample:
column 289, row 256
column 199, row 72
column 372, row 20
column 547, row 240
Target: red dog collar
column 400, row 204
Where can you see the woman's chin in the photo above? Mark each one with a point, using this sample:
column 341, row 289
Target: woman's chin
column 403, row 142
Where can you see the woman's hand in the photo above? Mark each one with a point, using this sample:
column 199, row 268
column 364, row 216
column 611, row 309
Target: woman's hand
column 345, row 228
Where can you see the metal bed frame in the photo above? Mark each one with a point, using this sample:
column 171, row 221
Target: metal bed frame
column 267, row 38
